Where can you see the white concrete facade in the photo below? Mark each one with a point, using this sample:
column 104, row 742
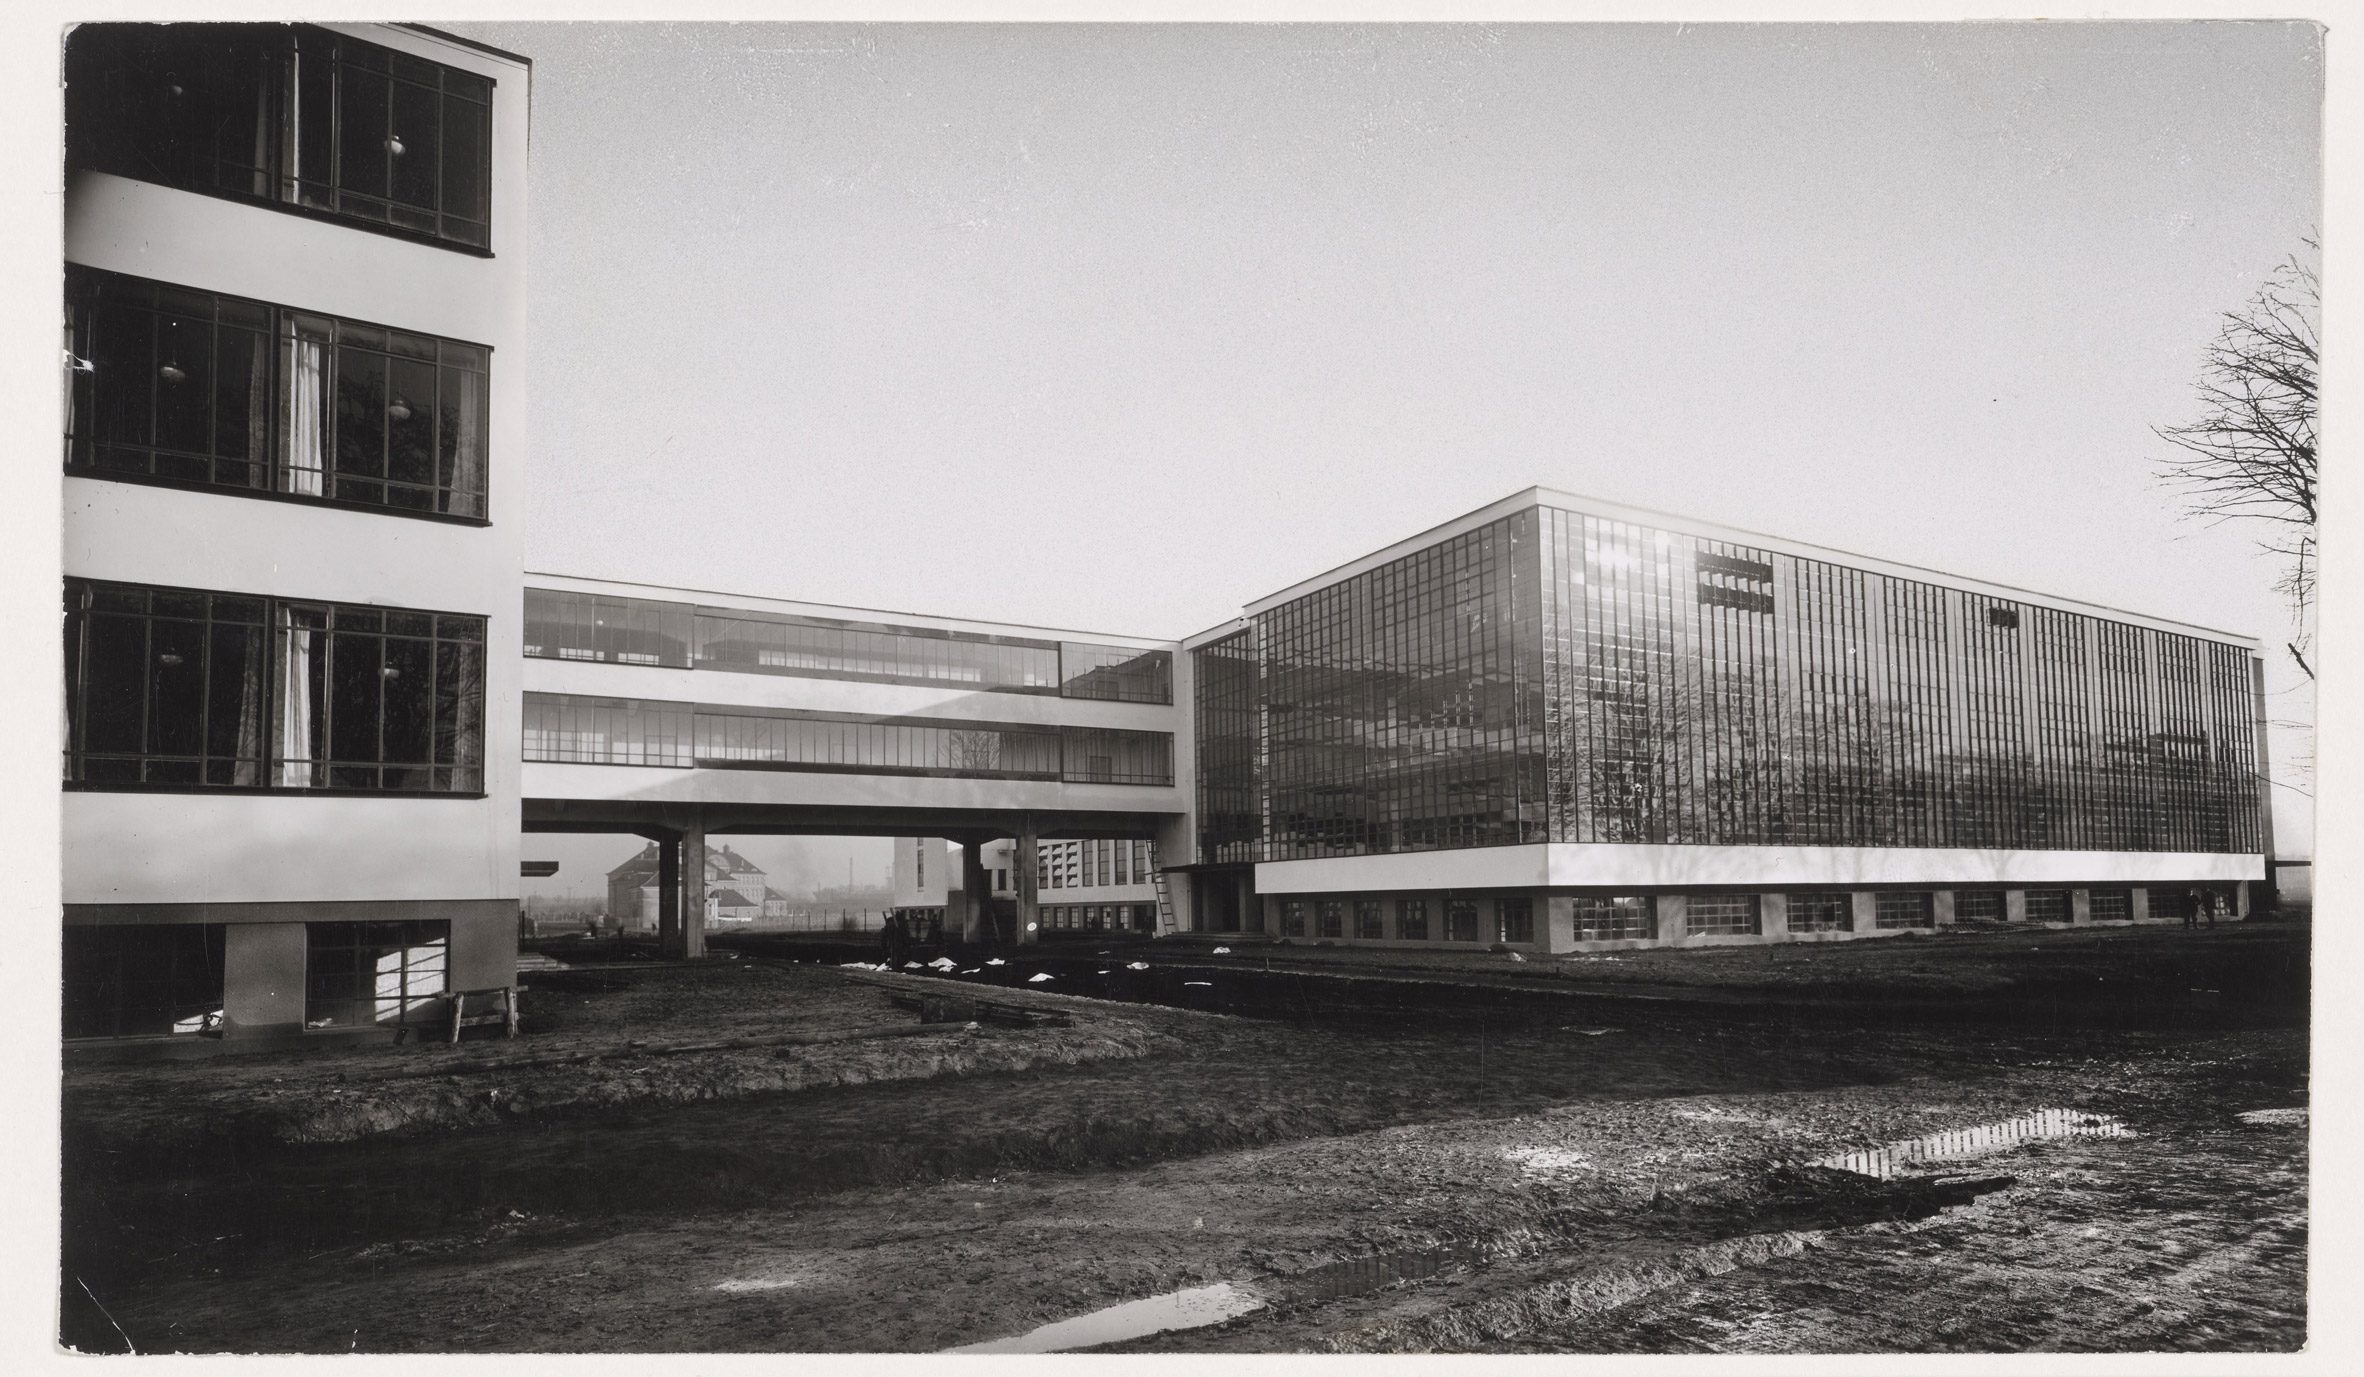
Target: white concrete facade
column 267, row 862
column 1557, row 865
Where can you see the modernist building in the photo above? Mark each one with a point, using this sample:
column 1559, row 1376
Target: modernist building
column 686, row 715
column 1558, row 723
column 294, row 456
column 310, row 695
column 1085, row 885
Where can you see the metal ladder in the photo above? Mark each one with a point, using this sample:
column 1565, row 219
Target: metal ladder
column 1165, row 898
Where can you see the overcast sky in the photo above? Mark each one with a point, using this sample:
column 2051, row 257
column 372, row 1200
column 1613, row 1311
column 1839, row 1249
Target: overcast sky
column 1118, row 327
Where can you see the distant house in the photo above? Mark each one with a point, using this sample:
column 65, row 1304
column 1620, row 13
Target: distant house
column 735, row 891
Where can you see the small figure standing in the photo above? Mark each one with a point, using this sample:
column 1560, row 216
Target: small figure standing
column 2194, row 901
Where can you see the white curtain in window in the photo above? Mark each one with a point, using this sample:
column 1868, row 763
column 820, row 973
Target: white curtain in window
column 467, row 476
column 253, row 654
column 304, row 450
column 298, row 714
column 258, row 404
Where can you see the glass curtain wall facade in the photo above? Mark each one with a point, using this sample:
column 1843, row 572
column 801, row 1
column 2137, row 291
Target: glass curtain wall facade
column 1561, row 676
column 1229, row 724
column 1404, row 708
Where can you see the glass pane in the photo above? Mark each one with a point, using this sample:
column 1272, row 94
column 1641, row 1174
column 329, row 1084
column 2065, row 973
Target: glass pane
column 357, row 692
column 362, row 131
column 242, row 394
column 409, row 701
column 184, row 402
column 464, row 130
column 176, row 693
column 315, row 119
column 114, row 684
column 123, row 380
column 361, row 413
column 415, row 136
column 410, row 422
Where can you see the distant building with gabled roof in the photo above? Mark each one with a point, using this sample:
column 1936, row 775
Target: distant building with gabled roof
column 735, row 891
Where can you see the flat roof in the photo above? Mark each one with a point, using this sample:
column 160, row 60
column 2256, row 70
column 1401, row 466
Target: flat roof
column 486, row 48
column 1677, row 523
column 750, row 602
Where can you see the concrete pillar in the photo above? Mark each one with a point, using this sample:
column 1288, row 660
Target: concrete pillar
column 1674, row 919
column 975, row 893
column 2080, row 905
column 668, row 892
column 1559, row 922
column 1867, row 910
column 1026, row 860
column 1773, row 915
column 1941, row 907
column 2014, row 905
column 262, row 979
column 688, row 939
column 2138, row 904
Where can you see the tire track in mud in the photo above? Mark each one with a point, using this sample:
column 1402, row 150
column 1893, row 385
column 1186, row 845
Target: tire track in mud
column 1526, row 1280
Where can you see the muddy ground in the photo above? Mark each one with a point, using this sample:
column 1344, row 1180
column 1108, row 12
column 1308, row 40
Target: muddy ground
column 1626, row 1184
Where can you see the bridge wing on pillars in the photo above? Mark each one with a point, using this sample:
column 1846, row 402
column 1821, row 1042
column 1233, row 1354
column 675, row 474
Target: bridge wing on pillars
column 680, row 715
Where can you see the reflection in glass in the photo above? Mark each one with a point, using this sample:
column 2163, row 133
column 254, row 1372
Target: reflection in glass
column 1560, row 676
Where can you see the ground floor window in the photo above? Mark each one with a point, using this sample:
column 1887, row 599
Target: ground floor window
column 1367, row 920
column 1333, row 913
column 1461, row 921
column 2171, row 903
column 1515, row 920
column 1978, row 905
column 2112, row 905
column 2047, row 905
column 1826, row 910
column 1411, row 919
column 1909, row 908
column 359, row 974
column 1293, row 917
column 142, row 980
column 1721, row 915
column 1619, row 917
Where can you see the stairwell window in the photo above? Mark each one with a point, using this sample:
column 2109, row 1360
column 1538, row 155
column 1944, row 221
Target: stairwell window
column 173, row 385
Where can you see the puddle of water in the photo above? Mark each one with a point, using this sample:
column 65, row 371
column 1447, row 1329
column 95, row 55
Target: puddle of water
column 1193, row 1308
column 1890, row 1158
column 777, row 1281
column 2274, row 1116
column 1355, row 1276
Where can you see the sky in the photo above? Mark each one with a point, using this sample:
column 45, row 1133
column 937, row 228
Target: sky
column 1119, row 327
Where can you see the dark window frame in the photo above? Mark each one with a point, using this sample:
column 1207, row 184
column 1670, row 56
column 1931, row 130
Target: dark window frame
column 452, row 367
column 336, row 631
column 133, row 96
column 1514, row 921
column 109, row 990
column 351, row 939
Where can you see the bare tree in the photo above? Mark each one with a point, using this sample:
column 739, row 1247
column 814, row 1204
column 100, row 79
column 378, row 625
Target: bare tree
column 2251, row 454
